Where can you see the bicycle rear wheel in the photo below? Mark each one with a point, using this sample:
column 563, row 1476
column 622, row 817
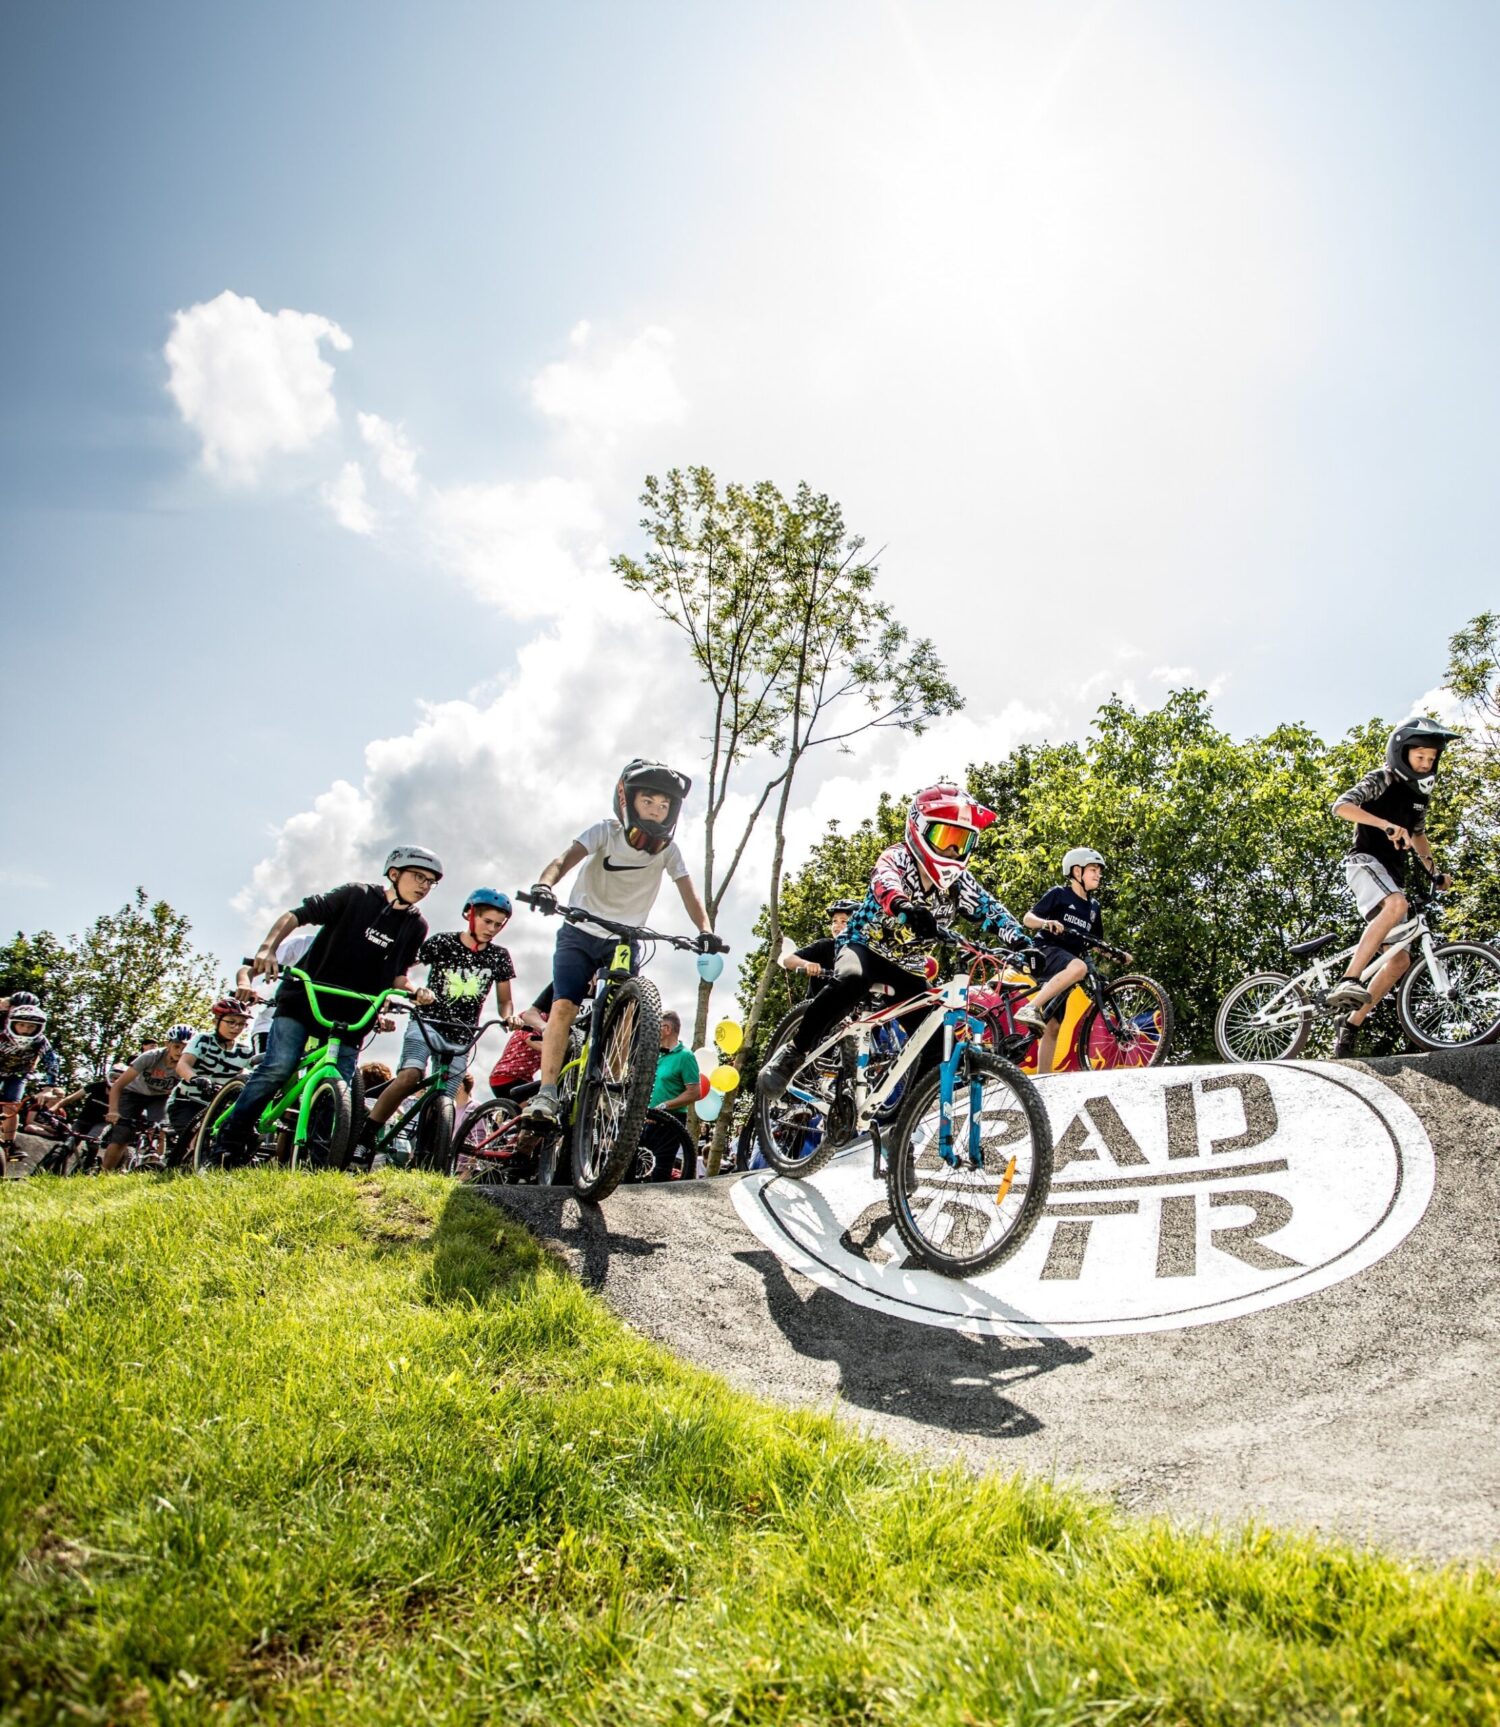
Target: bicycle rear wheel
column 616, row 1087
column 961, row 1217
column 793, row 1129
column 433, row 1135
column 1468, row 1013
column 1135, row 1030
column 1241, row 1034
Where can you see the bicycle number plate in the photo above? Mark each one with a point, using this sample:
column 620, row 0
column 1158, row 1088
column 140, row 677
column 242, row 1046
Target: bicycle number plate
column 621, row 961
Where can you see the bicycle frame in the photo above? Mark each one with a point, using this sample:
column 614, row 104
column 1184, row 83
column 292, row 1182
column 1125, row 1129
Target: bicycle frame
column 1306, row 990
column 390, row 1131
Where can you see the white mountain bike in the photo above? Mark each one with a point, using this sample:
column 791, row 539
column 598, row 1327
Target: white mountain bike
column 1449, row 998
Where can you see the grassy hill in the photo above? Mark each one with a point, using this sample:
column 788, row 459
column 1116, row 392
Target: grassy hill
column 316, row 1450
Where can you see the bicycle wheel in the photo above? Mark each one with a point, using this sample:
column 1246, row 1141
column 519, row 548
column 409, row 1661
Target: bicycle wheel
column 204, row 1155
column 794, row 1129
column 1136, row 1029
column 1240, row 1033
column 433, row 1136
column 328, row 1144
column 962, row 1217
column 670, row 1128
column 616, row 1087
column 1468, row 1013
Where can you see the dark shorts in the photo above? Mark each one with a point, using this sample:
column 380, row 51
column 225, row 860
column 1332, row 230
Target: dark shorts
column 577, row 957
column 1052, row 961
column 13, row 1087
column 136, row 1111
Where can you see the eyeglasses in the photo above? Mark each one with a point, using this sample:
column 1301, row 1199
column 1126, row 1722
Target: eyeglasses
column 950, row 841
column 422, row 876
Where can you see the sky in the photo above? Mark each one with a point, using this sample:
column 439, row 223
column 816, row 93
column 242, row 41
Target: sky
column 1146, row 343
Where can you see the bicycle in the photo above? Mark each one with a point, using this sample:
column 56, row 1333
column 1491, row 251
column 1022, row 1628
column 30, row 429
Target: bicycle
column 610, row 1076
column 500, row 1146
column 964, row 1190
column 1128, row 1022
column 314, row 1108
column 425, row 1120
column 1449, row 998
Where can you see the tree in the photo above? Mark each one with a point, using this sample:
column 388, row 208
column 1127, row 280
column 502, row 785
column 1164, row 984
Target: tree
column 134, row 973
column 1465, row 820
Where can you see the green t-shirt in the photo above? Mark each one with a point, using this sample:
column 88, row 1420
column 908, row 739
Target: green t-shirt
column 676, row 1070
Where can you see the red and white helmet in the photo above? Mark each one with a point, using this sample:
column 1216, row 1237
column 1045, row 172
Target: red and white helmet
column 942, row 826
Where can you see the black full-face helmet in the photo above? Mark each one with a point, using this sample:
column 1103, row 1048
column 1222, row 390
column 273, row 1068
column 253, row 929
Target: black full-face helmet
column 643, row 776
column 1417, row 734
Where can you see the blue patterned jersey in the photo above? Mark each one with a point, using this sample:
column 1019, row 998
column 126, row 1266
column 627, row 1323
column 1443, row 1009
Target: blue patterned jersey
column 896, row 876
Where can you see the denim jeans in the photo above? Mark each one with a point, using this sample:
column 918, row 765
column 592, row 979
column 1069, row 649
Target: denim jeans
column 284, row 1046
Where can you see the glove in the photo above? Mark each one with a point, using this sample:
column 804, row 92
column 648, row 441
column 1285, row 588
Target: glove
column 708, row 942
column 919, row 920
column 543, row 899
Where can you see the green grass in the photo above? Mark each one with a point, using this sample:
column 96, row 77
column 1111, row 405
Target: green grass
column 304, row 1450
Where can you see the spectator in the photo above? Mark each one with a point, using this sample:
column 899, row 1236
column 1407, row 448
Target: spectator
column 463, row 1100
column 675, row 1092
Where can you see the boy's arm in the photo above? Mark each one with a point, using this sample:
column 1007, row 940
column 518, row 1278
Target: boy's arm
column 1033, row 922
column 553, row 872
column 117, row 1090
column 693, row 905
column 422, row 997
column 186, row 1062
column 264, row 964
column 1349, row 806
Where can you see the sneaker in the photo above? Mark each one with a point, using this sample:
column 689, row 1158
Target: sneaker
column 776, row 1075
column 1348, row 993
column 1028, row 1016
column 544, row 1109
column 1344, row 1043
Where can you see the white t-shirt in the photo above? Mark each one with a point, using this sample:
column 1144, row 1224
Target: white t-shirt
column 616, row 880
column 288, row 953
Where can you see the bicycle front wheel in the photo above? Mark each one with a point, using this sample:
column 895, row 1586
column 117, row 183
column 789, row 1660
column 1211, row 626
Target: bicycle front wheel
column 330, row 1118
column 961, row 1213
column 616, row 1087
column 433, row 1137
column 1249, row 1028
column 1464, row 1015
column 1134, row 1030
column 204, row 1152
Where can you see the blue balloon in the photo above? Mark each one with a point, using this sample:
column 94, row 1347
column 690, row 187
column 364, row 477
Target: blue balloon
column 710, row 966
column 709, row 1107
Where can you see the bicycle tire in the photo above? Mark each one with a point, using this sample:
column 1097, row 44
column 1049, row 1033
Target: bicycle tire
column 914, row 1171
column 224, row 1099
column 433, row 1139
column 1269, row 1045
column 329, row 1144
column 686, row 1147
column 1094, row 1027
column 1478, row 1016
column 777, row 1122
column 622, row 1066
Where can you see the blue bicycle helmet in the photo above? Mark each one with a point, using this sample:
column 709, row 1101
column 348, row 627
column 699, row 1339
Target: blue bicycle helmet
column 490, row 896
column 180, row 1034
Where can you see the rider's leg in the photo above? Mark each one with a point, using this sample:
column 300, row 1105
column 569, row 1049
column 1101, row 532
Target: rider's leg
column 1062, row 972
column 284, row 1046
column 117, row 1134
column 1383, row 906
column 1383, row 982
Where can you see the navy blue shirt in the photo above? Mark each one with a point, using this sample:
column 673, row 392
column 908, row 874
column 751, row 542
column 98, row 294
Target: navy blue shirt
column 1079, row 918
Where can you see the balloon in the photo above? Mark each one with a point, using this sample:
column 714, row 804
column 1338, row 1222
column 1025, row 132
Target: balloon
column 709, row 1107
column 703, row 1086
column 710, row 965
column 707, row 1058
column 729, row 1034
column 724, row 1078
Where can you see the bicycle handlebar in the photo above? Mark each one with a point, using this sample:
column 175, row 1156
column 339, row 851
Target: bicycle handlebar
column 628, row 932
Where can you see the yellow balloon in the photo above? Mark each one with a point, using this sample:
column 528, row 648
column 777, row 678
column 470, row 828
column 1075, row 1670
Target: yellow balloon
column 729, row 1034
column 724, row 1078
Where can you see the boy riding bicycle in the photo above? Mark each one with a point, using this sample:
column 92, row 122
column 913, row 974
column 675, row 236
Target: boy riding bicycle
column 368, row 937
column 23, row 1049
column 138, row 1097
column 816, row 959
column 210, row 1059
column 463, row 965
column 1070, row 914
column 1389, row 811
column 626, row 857
column 917, row 888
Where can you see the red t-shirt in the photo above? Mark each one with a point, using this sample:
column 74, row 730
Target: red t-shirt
column 521, row 1059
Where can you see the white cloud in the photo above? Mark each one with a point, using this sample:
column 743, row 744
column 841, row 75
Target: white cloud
column 253, row 384
column 395, row 457
column 345, row 496
column 601, row 395
column 1441, row 704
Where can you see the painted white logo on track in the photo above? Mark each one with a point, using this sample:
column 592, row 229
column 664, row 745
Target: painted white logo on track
column 1180, row 1196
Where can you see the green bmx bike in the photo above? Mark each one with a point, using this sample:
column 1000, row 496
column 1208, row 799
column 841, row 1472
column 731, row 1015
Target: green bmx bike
column 605, row 1088
column 420, row 1133
column 309, row 1121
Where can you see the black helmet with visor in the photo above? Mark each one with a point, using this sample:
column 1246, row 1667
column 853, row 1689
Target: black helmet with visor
column 1419, row 733
column 640, row 775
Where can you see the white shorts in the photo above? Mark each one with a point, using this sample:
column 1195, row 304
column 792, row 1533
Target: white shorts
column 1369, row 881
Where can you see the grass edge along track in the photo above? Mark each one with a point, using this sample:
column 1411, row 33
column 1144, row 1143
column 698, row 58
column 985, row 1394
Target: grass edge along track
column 361, row 1451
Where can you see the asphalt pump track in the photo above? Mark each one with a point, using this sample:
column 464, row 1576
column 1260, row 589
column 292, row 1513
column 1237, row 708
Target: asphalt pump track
column 1268, row 1293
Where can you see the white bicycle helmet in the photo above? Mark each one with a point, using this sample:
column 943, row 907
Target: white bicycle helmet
column 1079, row 858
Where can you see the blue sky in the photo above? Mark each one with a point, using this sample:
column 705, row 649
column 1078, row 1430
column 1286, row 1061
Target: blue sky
column 1155, row 339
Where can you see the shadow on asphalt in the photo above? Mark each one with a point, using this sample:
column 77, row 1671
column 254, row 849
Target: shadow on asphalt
column 943, row 1379
column 580, row 1227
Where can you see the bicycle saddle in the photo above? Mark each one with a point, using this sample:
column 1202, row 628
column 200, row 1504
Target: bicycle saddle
column 1316, row 945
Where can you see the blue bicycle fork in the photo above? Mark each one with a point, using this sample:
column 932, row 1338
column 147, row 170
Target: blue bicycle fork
column 947, row 1074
